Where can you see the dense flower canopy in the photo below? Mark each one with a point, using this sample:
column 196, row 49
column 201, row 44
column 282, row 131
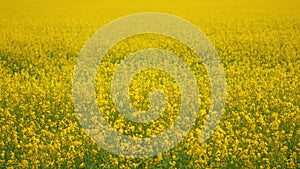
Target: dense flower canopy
column 260, row 126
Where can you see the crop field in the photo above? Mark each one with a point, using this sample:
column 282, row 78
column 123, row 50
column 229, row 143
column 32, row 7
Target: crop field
column 258, row 43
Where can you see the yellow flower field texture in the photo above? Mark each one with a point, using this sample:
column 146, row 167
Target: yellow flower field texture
column 257, row 43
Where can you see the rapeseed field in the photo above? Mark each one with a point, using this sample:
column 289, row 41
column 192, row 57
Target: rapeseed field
column 257, row 42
